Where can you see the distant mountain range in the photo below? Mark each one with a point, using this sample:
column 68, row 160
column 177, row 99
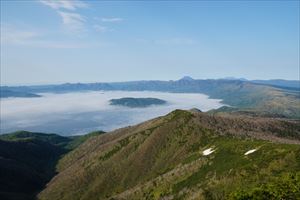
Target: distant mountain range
column 292, row 84
column 280, row 83
column 271, row 97
column 183, row 155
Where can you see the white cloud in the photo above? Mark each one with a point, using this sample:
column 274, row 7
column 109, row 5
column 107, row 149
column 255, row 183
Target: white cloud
column 142, row 41
column 74, row 21
column 17, row 36
column 58, row 45
column 176, row 41
column 64, row 4
column 10, row 35
column 112, row 19
column 167, row 42
column 100, row 28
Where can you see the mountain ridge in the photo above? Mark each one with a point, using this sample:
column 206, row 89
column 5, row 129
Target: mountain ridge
column 145, row 156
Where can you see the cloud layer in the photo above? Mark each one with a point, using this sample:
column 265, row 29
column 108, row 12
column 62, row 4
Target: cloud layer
column 112, row 19
column 64, row 4
column 73, row 21
column 78, row 113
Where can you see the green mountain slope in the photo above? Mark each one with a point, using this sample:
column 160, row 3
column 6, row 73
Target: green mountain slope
column 164, row 159
column 28, row 161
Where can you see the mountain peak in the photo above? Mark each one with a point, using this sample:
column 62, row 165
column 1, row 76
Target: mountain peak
column 195, row 110
column 186, row 78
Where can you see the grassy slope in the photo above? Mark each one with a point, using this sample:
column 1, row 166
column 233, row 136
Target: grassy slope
column 28, row 161
column 261, row 99
column 162, row 158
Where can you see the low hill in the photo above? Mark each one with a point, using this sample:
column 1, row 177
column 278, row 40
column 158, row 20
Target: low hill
column 183, row 155
column 28, row 161
column 137, row 102
column 10, row 93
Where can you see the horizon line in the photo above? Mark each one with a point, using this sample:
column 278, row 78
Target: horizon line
column 123, row 81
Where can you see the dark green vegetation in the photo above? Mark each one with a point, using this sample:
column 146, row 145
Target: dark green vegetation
column 271, row 98
column 137, row 102
column 28, row 161
column 9, row 93
column 286, row 186
column 162, row 158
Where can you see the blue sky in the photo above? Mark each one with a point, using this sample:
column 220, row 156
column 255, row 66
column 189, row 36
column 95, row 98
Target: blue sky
column 52, row 41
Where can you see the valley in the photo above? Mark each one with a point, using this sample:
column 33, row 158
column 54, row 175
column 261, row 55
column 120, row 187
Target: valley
column 182, row 155
column 28, row 160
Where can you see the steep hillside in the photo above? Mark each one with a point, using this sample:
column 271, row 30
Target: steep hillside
column 183, row 155
column 28, row 161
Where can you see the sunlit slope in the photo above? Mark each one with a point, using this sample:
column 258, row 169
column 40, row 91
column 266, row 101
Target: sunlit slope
column 164, row 158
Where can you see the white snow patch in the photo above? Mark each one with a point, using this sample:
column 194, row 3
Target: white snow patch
column 207, row 151
column 250, row 151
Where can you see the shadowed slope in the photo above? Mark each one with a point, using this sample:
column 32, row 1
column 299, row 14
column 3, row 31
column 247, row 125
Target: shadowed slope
column 28, row 161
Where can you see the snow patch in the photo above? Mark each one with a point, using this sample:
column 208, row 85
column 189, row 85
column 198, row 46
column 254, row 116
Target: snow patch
column 207, row 151
column 250, row 151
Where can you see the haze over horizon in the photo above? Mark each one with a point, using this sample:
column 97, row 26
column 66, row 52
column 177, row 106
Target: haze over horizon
column 93, row 41
column 124, row 81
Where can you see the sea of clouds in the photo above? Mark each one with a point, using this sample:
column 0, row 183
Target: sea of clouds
column 82, row 112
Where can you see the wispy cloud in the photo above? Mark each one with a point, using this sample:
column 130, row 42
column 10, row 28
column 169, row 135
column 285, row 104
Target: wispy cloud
column 142, row 41
column 71, row 19
column 64, row 4
column 30, row 38
column 176, row 41
column 167, row 42
column 112, row 19
column 74, row 21
column 10, row 35
column 100, row 28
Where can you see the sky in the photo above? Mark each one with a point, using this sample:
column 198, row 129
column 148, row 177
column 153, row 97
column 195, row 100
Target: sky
column 53, row 41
